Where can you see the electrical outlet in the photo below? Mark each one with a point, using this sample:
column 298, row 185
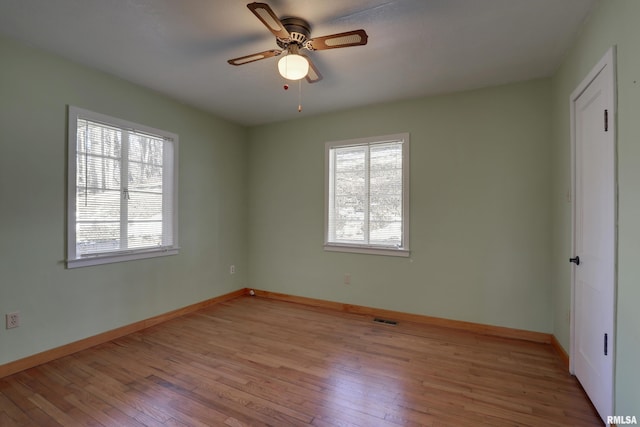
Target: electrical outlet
column 232, row 269
column 13, row 319
column 347, row 279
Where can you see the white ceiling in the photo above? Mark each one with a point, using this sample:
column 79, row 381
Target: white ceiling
column 416, row 47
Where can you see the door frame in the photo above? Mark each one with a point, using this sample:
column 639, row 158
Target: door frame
column 608, row 60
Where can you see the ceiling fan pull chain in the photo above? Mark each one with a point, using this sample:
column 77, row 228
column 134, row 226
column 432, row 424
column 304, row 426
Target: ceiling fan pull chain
column 299, row 96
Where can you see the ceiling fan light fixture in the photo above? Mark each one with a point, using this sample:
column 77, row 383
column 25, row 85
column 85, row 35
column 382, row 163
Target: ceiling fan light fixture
column 293, row 66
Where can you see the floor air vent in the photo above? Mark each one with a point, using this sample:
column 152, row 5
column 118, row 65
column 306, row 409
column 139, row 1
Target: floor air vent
column 385, row 321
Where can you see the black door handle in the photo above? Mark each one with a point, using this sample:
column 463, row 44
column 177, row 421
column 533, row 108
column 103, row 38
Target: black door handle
column 575, row 260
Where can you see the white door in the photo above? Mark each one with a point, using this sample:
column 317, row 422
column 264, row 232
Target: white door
column 595, row 235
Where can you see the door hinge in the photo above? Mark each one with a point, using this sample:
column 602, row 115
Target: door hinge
column 606, row 120
column 606, row 344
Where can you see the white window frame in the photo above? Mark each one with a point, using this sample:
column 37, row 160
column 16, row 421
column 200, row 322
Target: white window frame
column 74, row 259
column 403, row 249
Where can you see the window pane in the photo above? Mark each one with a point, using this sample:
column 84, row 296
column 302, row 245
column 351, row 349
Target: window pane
column 97, row 220
column 95, row 237
column 350, row 159
column 388, row 180
column 98, row 139
column 98, row 172
column 145, row 177
column 386, row 156
column 145, row 206
column 385, row 214
column 386, row 233
column 350, row 207
column 349, row 194
column 385, row 208
column 144, row 234
column 145, row 149
column 97, row 205
column 349, row 231
column 350, row 183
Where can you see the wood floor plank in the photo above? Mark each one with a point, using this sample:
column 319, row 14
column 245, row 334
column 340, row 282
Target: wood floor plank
column 10, row 414
column 253, row 361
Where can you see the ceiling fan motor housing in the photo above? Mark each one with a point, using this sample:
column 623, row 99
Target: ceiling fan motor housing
column 299, row 31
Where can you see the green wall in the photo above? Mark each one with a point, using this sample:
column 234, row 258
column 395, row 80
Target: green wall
column 480, row 208
column 614, row 22
column 57, row 305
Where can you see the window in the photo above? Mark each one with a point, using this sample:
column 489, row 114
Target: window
column 122, row 190
column 367, row 195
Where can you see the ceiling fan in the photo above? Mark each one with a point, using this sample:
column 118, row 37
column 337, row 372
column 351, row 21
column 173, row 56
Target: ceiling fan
column 292, row 36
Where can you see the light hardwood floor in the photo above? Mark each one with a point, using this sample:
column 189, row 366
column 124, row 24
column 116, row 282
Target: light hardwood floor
column 253, row 361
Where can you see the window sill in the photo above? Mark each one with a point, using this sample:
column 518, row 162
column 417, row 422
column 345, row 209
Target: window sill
column 369, row 250
column 113, row 258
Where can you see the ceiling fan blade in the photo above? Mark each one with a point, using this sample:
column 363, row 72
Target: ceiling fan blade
column 334, row 41
column 254, row 57
column 269, row 19
column 313, row 76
